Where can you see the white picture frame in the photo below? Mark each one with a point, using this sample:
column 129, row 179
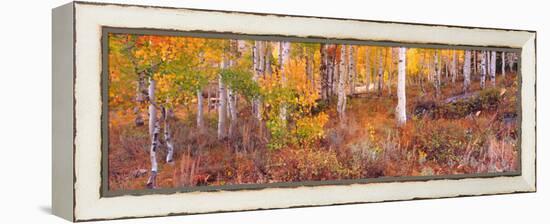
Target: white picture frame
column 77, row 110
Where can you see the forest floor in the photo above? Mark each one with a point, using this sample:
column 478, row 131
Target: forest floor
column 454, row 133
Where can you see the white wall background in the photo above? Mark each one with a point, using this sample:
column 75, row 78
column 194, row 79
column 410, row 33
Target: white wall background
column 25, row 115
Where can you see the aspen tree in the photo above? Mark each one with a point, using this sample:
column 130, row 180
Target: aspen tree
column 454, row 67
column 351, row 69
column 222, row 102
column 380, row 71
column 503, row 64
column 323, row 69
column 493, row 67
column 483, row 69
column 511, row 58
column 467, row 70
column 284, row 55
column 401, row 108
column 367, row 68
column 258, row 58
column 154, row 130
column 341, row 106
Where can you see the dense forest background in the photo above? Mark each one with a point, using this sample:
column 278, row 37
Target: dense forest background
column 221, row 111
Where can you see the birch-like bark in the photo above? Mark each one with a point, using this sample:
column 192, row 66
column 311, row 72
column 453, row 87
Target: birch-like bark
column 475, row 62
column 351, row 68
column 488, row 64
column 503, row 64
column 490, row 67
column 222, row 107
column 446, row 66
column 255, row 59
column 440, row 64
column 168, row 135
column 467, row 70
column 401, row 108
column 390, row 70
column 493, row 68
column 453, row 67
column 511, row 59
column 231, row 95
column 284, row 54
column 375, row 67
column 332, row 70
column 153, row 133
column 367, row 68
column 261, row 58
column 323, row 70
column 152, row 108
column 483, row 69
column 152, row 181
column 380, row 71
column 431, row 73
column 258, row 63
column 341, row 106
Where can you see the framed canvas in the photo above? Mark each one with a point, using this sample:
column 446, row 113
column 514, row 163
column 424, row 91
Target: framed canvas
column 165, row 111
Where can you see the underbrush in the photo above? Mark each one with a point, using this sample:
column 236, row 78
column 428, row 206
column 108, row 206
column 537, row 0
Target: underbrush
column 474, row 134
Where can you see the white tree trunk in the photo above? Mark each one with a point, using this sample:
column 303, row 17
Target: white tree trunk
column 493, row 68
column 261, row 58
column 323, row 72
column 341, row 106
column 503, row 64
column 168, row 136
column 152, row 181
column 431, row 71
column 380, row 71
column 454, row 67
column 232, row 99
column 483, row 70
column 284, row 54
column 446, row 66
column 258, row 67
column 401, row 109
column 437, row 68
column 222, row 108
column 511, row 58
column 231, row 95
column 488, row 63
column 390, row 70
column 152, row 108
column 351, row 69
column 153, row 133
column 333, row 70
column 367, row 68
column 475, row 65
column 467, row 70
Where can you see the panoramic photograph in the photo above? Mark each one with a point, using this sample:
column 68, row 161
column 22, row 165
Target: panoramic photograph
column 188, row 111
